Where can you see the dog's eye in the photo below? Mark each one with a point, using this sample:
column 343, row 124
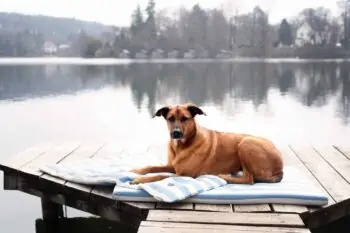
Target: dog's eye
column 171, row 119
column 183, row 119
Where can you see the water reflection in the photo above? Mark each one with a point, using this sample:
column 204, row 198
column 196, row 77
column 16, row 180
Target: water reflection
column 312, row 84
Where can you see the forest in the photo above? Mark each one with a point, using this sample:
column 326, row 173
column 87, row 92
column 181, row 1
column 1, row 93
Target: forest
column 182, row 29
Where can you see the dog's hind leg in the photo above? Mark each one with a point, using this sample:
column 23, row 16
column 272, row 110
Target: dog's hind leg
column 260, row 163
column 246, row 178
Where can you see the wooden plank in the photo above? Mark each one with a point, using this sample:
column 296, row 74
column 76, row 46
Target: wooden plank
column 213, row 207
column 292, row 159
column 142, row 205
column 151, row 227
column 344, row 151
column 174, row 206
column 263, row 219
column 24, row 157
column 53, row 155
column 279, row 208
column 336, row 160
column 336, row 186
column 252, row 208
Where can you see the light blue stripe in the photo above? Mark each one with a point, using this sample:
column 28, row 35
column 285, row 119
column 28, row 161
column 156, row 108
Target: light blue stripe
column 194, row 183
column 160, row 188
column 217, row 180
column 181, row 187
column 208, row 182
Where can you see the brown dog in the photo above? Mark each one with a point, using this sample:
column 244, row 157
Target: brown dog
column 195, row 151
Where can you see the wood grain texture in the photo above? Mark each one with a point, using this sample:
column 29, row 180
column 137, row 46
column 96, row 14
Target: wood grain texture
column 344, row 150
column 291, row 158
column 174, row 206
column 336, row 186
column 213, row 207
column 51, row 156
column 262, row 219
column 336, row 160
column 24, row 157
column 252, row 208
column 152, row 227
column 279, row 208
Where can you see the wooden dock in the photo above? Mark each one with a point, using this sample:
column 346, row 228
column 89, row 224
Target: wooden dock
column 328, row 167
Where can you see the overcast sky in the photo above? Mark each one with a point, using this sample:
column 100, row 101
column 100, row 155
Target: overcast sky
column 118, row 11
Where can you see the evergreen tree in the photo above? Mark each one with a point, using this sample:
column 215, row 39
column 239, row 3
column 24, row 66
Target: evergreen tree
column 285, row 33
column 150, row 9
column 151, row 23
column 137, row 20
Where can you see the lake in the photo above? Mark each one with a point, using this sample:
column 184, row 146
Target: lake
column 290, row 102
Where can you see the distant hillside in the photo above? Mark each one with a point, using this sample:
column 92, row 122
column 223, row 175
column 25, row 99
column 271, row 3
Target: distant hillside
column 51, row 28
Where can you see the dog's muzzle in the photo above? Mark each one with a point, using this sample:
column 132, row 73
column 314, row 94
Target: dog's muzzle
column 176, row 134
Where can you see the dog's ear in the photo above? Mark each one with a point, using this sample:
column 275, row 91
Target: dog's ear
column 162, row 112
column 194, row 110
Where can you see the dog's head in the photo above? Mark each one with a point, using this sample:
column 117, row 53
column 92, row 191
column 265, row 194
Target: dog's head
column 180, row 119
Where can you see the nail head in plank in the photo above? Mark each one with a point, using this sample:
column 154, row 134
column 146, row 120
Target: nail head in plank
column 265, row 219
column 336, row 160
column 174, row 206
column 213, row 207
column 252, row 208
column 336, row 186
column 289, row 208
column 150, row 226
column 292, row 159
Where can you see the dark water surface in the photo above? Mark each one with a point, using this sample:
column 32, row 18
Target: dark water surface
column 290, row 103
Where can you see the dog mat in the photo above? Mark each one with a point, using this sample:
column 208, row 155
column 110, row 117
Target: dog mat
column 295, row 187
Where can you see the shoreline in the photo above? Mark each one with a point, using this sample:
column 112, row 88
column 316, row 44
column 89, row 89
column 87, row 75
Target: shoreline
column 117, row 61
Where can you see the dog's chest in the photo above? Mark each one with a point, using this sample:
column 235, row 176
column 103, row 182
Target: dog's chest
column 189, row 165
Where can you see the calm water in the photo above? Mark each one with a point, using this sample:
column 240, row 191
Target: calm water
column 291, row 102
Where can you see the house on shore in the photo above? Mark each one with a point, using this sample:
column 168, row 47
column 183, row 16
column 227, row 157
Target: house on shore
column 49, row 48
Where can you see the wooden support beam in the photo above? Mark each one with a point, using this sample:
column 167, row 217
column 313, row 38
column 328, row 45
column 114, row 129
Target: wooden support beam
column 321, row 217
column 51, row 213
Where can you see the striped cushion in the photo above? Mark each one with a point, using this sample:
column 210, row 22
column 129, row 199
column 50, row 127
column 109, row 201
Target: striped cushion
column 295, row 187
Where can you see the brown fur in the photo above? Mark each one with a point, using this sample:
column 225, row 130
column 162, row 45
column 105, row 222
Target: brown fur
column 203, row 151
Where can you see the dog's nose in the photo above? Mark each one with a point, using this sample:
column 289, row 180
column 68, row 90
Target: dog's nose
column 176, row 134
